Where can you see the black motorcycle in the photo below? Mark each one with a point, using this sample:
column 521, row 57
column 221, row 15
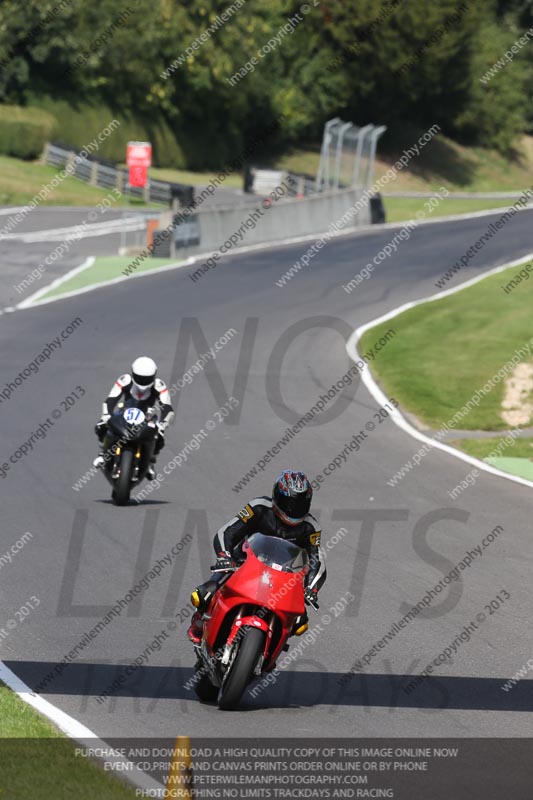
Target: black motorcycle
column 129, row 446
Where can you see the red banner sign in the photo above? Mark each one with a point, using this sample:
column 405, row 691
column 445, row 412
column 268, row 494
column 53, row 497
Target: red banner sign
column 138, row 159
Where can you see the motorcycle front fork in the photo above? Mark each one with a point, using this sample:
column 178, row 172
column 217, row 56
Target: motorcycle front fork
column 259, row 667
column 228, row 649
column 116, row 466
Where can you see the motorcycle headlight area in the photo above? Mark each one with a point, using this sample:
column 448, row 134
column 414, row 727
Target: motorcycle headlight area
column 134, row 416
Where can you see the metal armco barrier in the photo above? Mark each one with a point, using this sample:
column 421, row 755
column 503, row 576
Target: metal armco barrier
column 98, row 174
column 284, row 219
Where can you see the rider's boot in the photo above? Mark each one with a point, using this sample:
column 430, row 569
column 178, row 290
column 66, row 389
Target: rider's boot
column 196, row 628
column 301, row 624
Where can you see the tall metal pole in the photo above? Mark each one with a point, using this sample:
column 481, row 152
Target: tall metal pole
column 373, row 144
column 324, row 153
column 357, row 163
column 342, row 131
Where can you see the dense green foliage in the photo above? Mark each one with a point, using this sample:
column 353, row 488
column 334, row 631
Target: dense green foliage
column 365, row 60
column 24, row 131
column 78, row 123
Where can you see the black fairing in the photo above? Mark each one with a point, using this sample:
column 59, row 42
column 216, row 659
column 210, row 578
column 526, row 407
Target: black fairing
column 131, row 436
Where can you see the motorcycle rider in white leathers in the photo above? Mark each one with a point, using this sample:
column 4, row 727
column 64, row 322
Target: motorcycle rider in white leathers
column 143, row 385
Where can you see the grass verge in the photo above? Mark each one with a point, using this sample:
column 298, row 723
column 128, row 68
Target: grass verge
column 518, row 458
column 482, row 448
column 233, row 181
column 446, row 350
column 399, row 209
column 442, row 162
column 39, row 762
column 103, row 270
column 21, row 181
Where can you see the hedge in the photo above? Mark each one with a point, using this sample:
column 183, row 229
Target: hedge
column 81, row 122
column 24, row 131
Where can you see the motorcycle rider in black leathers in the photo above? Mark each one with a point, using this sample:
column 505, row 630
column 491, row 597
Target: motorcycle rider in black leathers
column 286, row 515
column 148, row 391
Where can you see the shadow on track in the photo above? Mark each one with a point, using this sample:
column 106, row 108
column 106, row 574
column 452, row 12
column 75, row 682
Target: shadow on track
column 133, row 504
column 291, row 689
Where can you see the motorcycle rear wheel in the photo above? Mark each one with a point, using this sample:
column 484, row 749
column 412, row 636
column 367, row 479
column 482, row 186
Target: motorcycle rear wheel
column 121, row 492
column 238, row 677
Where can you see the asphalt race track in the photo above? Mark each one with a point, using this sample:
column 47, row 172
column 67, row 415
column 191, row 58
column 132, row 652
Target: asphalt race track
column 85, row 553
column 20, row 258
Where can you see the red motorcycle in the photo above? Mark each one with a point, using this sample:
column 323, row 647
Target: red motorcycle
column 250, row 618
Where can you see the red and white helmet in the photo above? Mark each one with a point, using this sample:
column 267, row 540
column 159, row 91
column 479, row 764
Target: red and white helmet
column 143, row 372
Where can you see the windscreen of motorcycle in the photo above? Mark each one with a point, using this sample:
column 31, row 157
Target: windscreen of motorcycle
column 277, row 553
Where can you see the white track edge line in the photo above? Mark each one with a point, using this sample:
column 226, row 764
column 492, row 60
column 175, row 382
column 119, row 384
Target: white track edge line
column 29, row 301
column 396, row 416
column 487, row 212
column 102, row 284
column 12, row 210
column 74, row 729
column 92, row 229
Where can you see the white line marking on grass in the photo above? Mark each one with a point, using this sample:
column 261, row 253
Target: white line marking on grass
column 452, row 218
column 381, row 397
column 100, row 285
column 108, row 228
column 74, row 729
column 12, row 210
column 55, row 283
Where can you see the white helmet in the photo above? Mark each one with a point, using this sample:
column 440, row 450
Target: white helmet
column 143, row 372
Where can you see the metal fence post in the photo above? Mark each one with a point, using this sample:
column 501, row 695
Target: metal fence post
column 345, row 139
column 70, row 160
column 376, row 133
column 340, row 138
column 357, row 162
column 324, row 154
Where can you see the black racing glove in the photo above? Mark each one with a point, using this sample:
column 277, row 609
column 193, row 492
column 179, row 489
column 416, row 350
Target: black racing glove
column 224, row 563
column 311, row 598
column 100, row 429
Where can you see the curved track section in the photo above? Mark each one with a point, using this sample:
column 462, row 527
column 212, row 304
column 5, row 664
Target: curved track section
column 398, row 543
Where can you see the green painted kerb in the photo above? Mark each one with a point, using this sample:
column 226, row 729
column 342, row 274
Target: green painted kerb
column 106, row 269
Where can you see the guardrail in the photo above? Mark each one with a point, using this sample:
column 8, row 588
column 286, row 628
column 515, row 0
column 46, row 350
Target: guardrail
column 98, row 173
column 208, row 229
column 122, row 225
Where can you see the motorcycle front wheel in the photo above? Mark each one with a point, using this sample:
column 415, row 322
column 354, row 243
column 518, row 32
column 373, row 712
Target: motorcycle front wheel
column 240, row 671
column 121, row 492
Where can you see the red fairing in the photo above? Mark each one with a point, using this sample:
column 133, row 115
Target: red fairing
column 257, row 584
